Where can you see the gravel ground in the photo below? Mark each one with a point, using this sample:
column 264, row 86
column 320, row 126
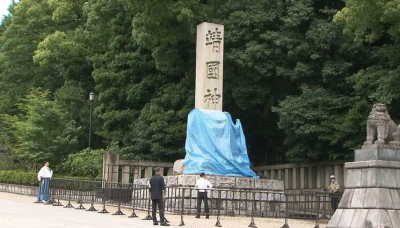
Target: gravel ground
column 189, row 220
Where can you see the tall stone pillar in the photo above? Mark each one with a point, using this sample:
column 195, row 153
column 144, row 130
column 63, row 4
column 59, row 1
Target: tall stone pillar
column 372, row 194
column 148, row 172
column 110, row 167
column 125, row 175
column 209, row 66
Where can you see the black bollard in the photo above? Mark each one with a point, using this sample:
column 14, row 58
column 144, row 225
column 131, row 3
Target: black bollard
column 133, row 215
column 317, row 217
column 93, row 192
column 119, row 198
column 218, row 224
column 252, row 224
column 182, row 205
column 69, row 205
column 104, row 210
column 80, row 207
column 286, row 225
column 148, row 216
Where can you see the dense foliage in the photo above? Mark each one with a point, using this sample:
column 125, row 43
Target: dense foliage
column 301, row 75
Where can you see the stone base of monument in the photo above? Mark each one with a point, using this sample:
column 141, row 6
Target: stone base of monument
column 372, row 194
column 231, row 195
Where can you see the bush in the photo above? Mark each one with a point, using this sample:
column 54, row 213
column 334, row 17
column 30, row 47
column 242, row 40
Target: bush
column 18, row 177
column 86, row 163
column 30, row 178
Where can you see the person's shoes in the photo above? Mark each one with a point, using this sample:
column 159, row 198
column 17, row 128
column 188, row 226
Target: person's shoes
column 155, row 223
column 207, row 217
column 164, row 224
column 197, row 216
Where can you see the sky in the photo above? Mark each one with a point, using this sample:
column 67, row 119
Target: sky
column 3, row 7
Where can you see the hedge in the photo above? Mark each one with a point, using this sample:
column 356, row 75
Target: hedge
column 26, row 178
column 18, row 177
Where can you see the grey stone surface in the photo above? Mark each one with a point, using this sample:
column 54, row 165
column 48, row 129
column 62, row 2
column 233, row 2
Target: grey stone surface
column 386, row 178
column 394, row 218
column 178, row 168
column 359, row 218
column 368, row 177
column 346, row 199
column 187, row 180
column 334, row 221
column 171, row 181
column 378, row 153
column 378, row 198
column 265, row 184
column 347, row 218
column 278, row 184
column 375, row 163
column 398, row 178
column 378, row 218
column 353, row 178
column 245, row 182
column 394, row 193
column 358, row 198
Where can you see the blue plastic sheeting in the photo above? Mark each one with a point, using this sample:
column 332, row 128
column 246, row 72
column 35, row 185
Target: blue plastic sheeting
column 215, row 145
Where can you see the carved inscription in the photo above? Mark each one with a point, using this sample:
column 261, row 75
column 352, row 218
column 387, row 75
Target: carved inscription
column 214, row 38
column 212, row 97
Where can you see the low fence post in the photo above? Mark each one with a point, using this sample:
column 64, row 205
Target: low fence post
column 119, row 198
column 80, row 207
column 182, row 206
column 148, row 216
column 104, row 198
column 218, row 224
column 92, row 192
column 317, row 219
column 133, row 215
column 69, row 205
column 57, row 187
column 286, row 225
column 252, row 224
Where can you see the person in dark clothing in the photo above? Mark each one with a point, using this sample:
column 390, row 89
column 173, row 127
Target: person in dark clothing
column 157, row 191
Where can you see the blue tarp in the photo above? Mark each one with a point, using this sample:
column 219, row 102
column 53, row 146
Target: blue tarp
column 215, row 145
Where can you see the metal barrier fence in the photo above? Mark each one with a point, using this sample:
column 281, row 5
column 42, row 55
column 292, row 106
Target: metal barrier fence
column 182, row 200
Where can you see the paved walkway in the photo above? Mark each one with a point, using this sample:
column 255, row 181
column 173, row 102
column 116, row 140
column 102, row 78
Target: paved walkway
column 19, row 211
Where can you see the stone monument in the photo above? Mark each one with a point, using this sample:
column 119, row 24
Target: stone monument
column 372, row 189
column 209, row 66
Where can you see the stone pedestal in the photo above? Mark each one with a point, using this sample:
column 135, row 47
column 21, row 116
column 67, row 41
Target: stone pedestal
column 233, row 195
column 372, row 190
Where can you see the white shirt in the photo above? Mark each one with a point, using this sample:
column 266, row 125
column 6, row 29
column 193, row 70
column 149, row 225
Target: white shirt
column 203, row 184
column 45, row 172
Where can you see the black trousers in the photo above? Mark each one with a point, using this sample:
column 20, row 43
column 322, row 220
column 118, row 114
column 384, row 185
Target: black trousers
column 334, row 200
column 160, row 204
column 202, row 196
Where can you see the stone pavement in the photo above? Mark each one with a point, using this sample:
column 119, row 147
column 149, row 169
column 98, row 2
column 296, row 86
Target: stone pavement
column 19, row 211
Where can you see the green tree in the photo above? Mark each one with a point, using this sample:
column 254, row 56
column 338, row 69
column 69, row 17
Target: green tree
column 42, row 132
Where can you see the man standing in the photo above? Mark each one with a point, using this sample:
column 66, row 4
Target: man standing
column 157, row 191
column 333, row 189
column 44, row 177
column 202, row 185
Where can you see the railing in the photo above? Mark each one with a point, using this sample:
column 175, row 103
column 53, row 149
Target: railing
column 182, row 200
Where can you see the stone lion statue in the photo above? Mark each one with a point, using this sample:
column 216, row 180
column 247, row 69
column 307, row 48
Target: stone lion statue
column 380, row 123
